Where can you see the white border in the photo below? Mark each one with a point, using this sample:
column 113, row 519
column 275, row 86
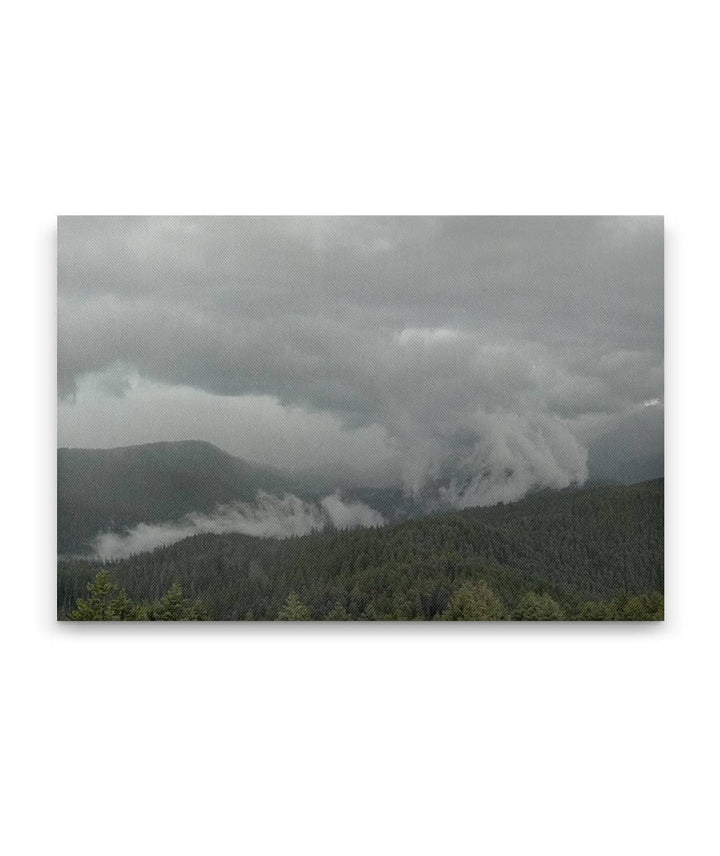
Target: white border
column 363, row 739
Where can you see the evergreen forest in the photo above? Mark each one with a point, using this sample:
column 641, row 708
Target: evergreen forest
column 593, row 553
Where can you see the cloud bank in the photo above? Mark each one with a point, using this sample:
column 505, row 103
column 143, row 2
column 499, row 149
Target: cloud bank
column 475, row 356
column 269, row 516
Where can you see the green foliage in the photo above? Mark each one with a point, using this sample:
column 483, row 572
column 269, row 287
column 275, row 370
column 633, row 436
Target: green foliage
column 643, row 608
column 172, row 606
column 474, row 602
column 594, row 554
column 338, row 613
column 106, row 601
column 538, row 607
column 646, row 607
column 294, row 609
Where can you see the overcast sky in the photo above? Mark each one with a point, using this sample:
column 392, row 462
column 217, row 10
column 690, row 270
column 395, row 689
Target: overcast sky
column 483, row 354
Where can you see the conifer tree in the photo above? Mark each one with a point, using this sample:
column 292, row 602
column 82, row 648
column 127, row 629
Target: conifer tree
column 173, row 606
column 338, row 613
column 474, row 602
column 294, row 609
column 538, row 607
column 106, row 601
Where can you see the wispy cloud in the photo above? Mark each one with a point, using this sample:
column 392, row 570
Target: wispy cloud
column 269, row 516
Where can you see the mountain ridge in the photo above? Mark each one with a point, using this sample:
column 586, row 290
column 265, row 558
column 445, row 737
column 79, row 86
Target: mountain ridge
column 119, row 487
column 100, row 489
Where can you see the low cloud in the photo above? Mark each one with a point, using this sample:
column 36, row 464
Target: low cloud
column 269, row 516
column 510, row 455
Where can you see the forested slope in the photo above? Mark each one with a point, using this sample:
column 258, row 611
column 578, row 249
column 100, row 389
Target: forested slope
column 99, row 489
column 577, row 547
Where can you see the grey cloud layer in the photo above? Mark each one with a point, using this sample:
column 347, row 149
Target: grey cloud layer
column 477, row 344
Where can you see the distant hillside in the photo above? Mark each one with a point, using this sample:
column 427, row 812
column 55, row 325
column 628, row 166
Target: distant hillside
column 629, row 471
column 100, row 489
column 573, row 545
column 110, row 489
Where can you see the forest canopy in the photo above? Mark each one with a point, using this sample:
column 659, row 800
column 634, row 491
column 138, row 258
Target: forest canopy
column 580, row 554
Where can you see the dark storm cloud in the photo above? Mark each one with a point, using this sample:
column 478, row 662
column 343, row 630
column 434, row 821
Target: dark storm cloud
column 485, row 348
